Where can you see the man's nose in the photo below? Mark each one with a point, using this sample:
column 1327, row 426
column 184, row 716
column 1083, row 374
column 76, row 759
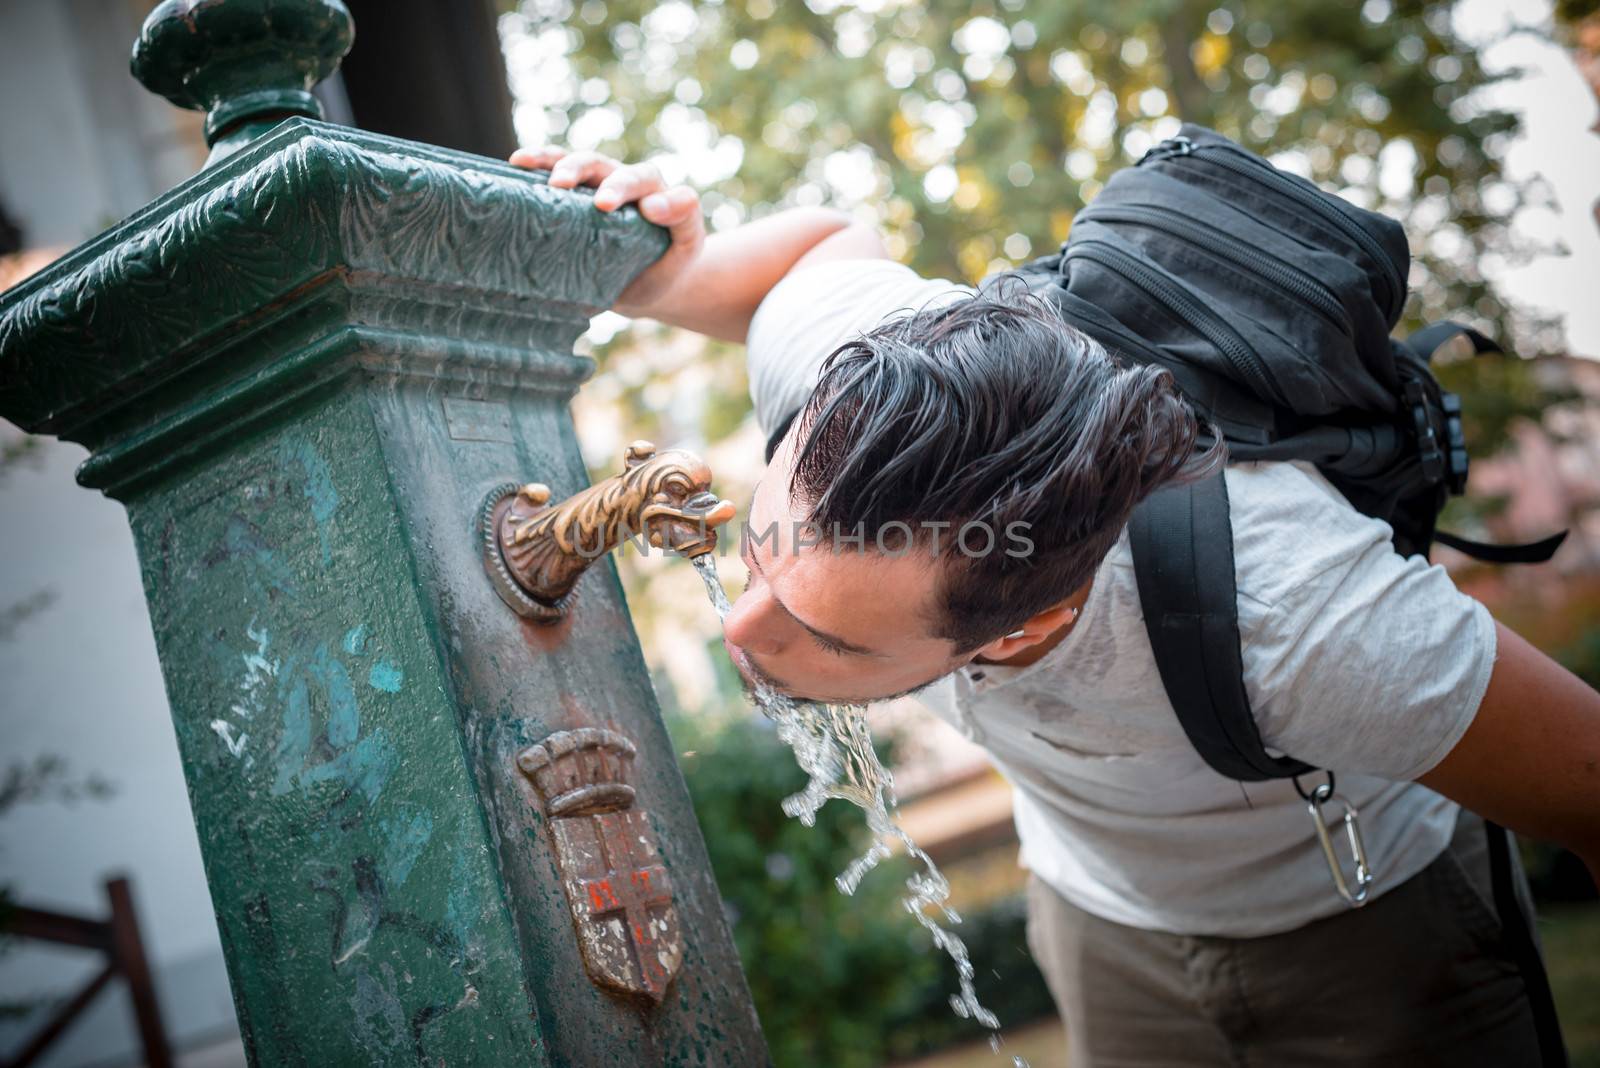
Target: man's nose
column 749, row 624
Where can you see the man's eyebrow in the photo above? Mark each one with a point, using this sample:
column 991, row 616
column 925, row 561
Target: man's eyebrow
column 749, row 557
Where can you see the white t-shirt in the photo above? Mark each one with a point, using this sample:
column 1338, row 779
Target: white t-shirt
column 1355, row 659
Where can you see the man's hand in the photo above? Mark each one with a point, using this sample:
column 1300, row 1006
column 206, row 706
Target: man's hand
column 709, row 285
column 616, row 184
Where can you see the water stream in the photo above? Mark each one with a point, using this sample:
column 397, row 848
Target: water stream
column 833, row 746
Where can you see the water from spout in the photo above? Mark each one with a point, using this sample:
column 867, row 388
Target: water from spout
column 833, row 747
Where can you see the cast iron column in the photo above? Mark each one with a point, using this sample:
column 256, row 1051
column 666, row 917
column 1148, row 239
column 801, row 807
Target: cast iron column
column 303, row 371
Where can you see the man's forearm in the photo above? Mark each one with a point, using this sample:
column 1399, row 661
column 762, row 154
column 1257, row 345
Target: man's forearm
column 718, row 292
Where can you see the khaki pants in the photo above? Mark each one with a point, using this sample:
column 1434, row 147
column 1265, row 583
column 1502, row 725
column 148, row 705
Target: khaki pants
column 1418, row 977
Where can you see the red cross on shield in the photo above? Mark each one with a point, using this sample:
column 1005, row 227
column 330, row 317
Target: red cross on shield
column 621, row 900
column 605, row 850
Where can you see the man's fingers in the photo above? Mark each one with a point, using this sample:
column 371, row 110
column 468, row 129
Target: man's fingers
column 537, row 159
column 672, row 206
column 581, row 168
column 678, row 209
column 626, row 185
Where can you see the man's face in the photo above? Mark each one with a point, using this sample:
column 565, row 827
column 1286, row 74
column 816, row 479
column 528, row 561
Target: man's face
column 831, row 624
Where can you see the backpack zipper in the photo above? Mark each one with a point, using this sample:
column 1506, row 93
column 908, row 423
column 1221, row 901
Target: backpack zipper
column 1178, row 302
column 1331, row 208
column 1287, row 277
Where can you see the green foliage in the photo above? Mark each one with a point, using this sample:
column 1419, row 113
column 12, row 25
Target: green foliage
column 1571, row 937
column 49, row 778
column 1582, row 656
column 1574, row 11
column 1033, row 106
column 1498, row 391
column 14, row 614
column 17, row 449
column 973, row 131
column 838, row 980
column 828, row 972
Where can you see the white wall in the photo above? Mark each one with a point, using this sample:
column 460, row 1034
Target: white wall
column 79, row 679
column 82, row 145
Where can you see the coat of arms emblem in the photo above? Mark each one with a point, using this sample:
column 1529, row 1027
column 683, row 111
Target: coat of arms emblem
column 617, row 888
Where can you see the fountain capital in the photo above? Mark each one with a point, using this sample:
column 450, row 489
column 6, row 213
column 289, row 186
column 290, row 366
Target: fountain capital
column 246, row 63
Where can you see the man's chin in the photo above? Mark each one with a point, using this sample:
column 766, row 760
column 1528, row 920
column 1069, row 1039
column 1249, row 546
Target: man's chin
column 759, row 689
column 757, row 685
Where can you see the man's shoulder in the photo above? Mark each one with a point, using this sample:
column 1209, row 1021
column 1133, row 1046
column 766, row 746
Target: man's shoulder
column 815, row 309
column 854, row 293
column 1291, row 526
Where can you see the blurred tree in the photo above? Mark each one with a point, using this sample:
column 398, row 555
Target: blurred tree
column 1580, row 28
column 972, row 131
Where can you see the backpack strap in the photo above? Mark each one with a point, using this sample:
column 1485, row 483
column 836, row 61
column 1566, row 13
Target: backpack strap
column 1517, row 933
column 1182, row 544
column 1427, row 341
column 1529, row 552
column 1424, row 345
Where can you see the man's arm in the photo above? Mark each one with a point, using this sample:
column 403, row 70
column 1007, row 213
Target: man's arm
column 1531, row 758
column 718, row 291
column 708, row 285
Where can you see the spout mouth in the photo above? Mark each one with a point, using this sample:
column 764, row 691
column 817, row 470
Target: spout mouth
column 709, row 509
column 689, row 529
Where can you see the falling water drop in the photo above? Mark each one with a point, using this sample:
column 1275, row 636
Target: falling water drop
column 833, row 746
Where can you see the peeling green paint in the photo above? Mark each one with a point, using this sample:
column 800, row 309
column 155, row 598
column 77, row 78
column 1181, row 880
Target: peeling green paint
column 317, row 487
column 386, row 677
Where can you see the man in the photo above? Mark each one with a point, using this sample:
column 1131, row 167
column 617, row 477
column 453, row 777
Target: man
column 1179, row 917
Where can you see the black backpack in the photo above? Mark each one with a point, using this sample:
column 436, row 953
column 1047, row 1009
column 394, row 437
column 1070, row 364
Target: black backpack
column 1271, row 302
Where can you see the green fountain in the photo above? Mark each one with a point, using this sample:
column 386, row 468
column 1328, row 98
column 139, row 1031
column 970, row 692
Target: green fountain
column 328, row 376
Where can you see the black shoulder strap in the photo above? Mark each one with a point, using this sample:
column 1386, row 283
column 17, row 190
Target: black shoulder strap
column 1517, row 931
column 1530, row 552
column 1427, row 341
column 1182, row 544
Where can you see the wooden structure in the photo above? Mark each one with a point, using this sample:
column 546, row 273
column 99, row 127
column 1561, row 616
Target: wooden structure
column 117, row 939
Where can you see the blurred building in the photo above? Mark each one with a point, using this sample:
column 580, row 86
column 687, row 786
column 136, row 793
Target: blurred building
column 81, row 146
column 1550, row 478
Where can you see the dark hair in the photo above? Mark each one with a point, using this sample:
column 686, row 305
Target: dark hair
column 992, row 409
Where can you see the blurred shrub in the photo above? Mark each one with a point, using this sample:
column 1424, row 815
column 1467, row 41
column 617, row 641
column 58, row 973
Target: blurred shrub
column 838, row 981
column 829, row 973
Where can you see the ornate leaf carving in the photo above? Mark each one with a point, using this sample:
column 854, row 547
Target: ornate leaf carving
column 308, row 204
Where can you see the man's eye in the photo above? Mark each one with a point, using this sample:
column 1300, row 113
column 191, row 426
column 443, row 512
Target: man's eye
column 836, row 650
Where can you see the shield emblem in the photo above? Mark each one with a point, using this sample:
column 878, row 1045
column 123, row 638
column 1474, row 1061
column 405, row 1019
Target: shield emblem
column 617, row 888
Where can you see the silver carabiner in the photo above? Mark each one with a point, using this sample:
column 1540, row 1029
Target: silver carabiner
column 1315, row 801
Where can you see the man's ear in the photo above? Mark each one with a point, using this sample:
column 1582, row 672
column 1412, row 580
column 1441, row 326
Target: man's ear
column 1031, row 633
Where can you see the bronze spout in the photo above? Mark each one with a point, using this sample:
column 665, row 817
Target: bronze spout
column 535, row 552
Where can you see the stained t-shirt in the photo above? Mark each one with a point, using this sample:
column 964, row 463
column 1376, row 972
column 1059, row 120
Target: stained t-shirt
column 1355, row 659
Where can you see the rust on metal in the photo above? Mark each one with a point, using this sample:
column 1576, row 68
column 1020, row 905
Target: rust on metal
column 535, row 552
column 617, row 887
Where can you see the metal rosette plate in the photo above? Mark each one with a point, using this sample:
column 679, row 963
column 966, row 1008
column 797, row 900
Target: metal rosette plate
column 494, row 562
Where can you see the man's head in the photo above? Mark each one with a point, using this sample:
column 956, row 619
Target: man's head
column 957, row 475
